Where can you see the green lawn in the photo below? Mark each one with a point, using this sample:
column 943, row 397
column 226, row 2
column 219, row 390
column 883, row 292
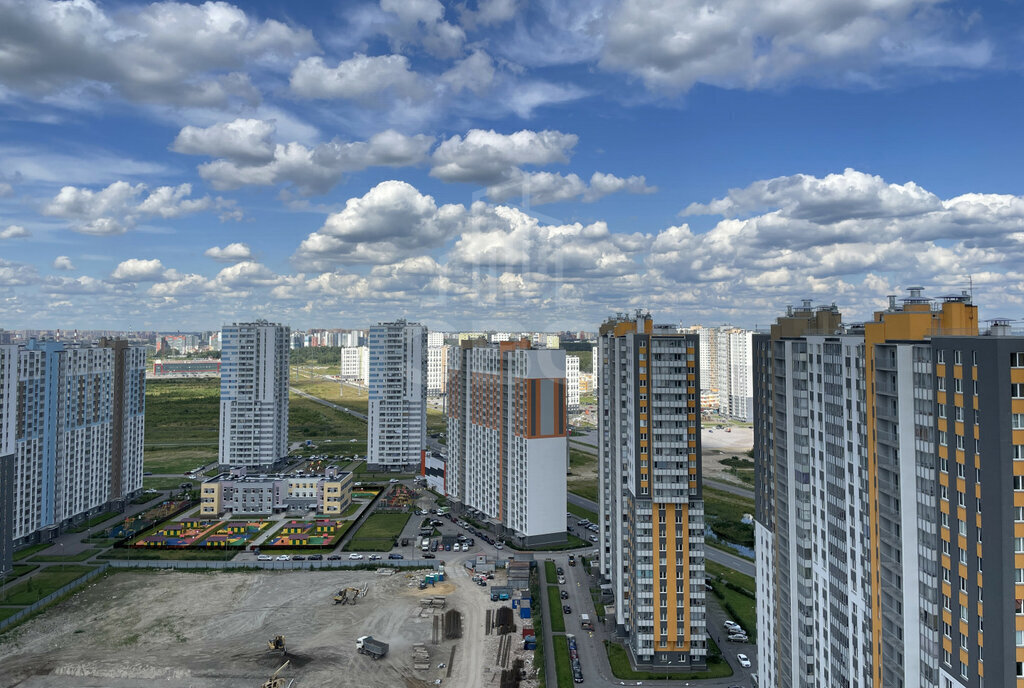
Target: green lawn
column 182, row 412
column 555, row 607
column 378, row 533
column 152, row 553
column 334, row 392
column 94, row 521
column 165, row 483
column 178, row 460
column 724, row 512
column 29, row 551
column 550, row 571
column 581, row 512
column 619, row 660
column 81, row 556
column 563, row 665
column 436, row 421
column 584, row 488
column 19, row 571
column 8, row 611
column 579, row 459
column 743, row 609
column 41, row 584
column 351, row 509
column 716, row 570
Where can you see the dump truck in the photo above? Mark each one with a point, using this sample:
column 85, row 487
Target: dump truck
column 367, row 645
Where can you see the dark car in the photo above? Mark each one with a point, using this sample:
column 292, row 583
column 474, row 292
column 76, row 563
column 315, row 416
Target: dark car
column 560, row 571
column 428, row 555
column 334, row 557
column 565, row 595
column 298, row 557
column 447, row 548
column 566, row 609
column 395, row 555
column 315, row 557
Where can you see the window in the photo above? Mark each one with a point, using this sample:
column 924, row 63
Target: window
column 1017, row 359
column 942, row 384
column 1017, row 390
column 1018, row 545
column 957, row 357
column 960, row 442
column 960, row 414
column 1019, row 514
column 962, row 529
column 942, row 410
column 960, row 469
column 961, row 499
column 942, row 438
column 940, row 356
column 1017, row 421
column 945, row 519
column 958, row 385
column 1018, row 453
column 1018, row 483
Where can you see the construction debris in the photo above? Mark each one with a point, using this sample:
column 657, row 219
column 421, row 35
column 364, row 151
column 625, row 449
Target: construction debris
column 420, row 657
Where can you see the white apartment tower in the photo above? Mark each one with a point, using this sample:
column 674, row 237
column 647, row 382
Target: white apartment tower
column 355, row 363
column 507, row 438
column 254, row 393
column 437, row 369
column 650, row 489
column 572, row 382
column 397, row 429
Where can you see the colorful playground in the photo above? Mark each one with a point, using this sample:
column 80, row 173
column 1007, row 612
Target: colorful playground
column 321, row 532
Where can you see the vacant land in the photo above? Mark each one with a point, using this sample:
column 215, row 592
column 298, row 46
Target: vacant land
column 346, row 395
column 210, row 630
column 308, row 420
column 582, row 478
column 182, row 421
column 378, row 533
column 724, row 513
column 43, row 583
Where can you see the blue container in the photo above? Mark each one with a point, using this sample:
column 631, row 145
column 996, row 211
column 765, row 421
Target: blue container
column 440, row 577
column 524, row 612
column 529, row 644
column 515, row 603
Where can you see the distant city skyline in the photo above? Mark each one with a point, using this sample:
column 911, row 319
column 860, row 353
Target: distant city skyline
column 503, row 164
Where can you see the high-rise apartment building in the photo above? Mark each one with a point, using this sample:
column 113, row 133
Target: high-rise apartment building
column 725, row 369
column 8, row 413
column 397, row 429
column 355, row 363
column 650, row 488
column 254, row 393
column 78, row 434
column 572, row 382
column 882, row 453
column 507, row 438
column 437, row 369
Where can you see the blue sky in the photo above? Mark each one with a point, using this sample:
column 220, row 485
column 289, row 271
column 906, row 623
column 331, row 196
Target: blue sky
column 501, row 163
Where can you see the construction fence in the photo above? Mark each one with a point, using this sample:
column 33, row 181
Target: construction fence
column 55, row 595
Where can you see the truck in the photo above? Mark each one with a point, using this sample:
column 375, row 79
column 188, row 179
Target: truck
column 367, row 645
column 585, row 622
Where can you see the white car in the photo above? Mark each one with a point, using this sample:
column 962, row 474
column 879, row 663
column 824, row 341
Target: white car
column 732, row 625
column 283, row 557
column 355, row 555
column 264, row 557
column 373, row 557
column 743, row 660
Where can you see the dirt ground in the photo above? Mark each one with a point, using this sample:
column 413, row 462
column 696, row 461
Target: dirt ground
column 718, row 445
column 210, row 630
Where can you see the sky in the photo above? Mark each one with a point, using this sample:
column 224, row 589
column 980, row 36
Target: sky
column 504, row 164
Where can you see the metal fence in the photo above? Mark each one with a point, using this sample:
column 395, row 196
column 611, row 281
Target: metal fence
column 272, row 565
column 55, row 595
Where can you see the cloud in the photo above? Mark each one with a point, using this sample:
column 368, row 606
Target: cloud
column 6, row 190
column 475, row 73
column 391, row 221
column 118, row 208
column 538, row 188
column 318, row 169
column 242, row 140
column 164, row 52
column 422, row 22
column 487, row 157
column 17, row 274
column 360, row 78
column 671, row 45
column 63, row 263
column 140, row 270
column 231, row 253
column 14, row 232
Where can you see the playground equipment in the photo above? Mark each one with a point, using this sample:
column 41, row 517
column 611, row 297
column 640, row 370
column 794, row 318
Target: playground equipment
column 276, row 681
column 277, row 644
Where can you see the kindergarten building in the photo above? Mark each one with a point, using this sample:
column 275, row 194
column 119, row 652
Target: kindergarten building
column 240, row 493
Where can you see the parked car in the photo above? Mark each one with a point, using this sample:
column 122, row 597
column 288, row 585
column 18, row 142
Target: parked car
column 299, row 557
column 395, row 555
column 333, row 557
column 565, row 595
column 732, row 625
column 738, row 637
column 374, row 557
column 315, row 557
column 429, row 555
column 264, row 557
column 283, row 557
column 743, row 660
column 566, row 609
column 560, row 571
column 561, row 580
column 355, row 555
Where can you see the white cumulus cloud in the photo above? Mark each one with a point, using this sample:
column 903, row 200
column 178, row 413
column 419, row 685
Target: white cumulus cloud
column 231, row 253
column 14, row 232
column 63, row 263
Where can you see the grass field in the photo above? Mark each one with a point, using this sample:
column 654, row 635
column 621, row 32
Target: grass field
column 29, row 551
column 335, row 392
column 164, row 483
column 716, row 570
column 378, row 533
column 81, row 556
column 743, row 608
column 583, row 474
column 581, row 512
column 555, row 607
column 724, row 512
column 182, row 420
column 42, row 584
column 584, row 488
column 619, row 660
column 308, row 420
column 550, row 571
column 20, row 570
column 563, row 665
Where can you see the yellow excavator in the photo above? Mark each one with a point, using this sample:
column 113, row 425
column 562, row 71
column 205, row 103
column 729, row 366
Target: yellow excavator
column 346, row 596
column 277, row 644
column 276, row 681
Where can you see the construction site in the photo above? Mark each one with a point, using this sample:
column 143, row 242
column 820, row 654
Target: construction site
column 264, row 629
